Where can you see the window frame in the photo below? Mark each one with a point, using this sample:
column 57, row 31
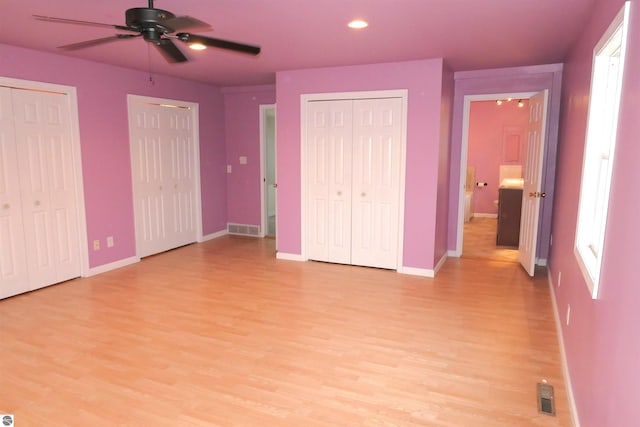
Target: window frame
column 602, row 123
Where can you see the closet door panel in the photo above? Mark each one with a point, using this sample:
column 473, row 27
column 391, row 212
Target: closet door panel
column 14, row 277
column 329, row 133
column 340, row 158
column 47, row 184
column 376, row 181
column 181, row 213
column 318, row 182
column 147, row 173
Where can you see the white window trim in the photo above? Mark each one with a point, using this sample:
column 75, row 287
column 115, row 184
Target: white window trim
column 589, row 257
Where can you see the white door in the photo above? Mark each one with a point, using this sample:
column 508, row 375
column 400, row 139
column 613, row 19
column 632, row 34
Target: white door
column 376, row 181
column 47, row 187
column 163, row 168
column 14, row 278
column 532, row 192
column 330, row 132
column 354, row 159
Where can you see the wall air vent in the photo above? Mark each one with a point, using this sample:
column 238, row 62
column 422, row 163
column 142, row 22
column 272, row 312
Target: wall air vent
column 243, row 229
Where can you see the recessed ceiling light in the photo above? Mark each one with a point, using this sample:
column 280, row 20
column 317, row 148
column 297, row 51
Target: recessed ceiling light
column 197, row 46
column 358, row 24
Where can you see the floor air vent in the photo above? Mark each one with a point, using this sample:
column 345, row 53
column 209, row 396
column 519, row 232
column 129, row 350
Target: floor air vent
column 243, row 229
column 546, row 402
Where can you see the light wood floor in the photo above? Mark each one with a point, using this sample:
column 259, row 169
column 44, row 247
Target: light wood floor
column 479, row 241
column 223, row 334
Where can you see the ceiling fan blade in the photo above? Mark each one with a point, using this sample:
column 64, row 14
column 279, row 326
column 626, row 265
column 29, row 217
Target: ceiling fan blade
column 223, row 44
column 76, row 22
column 170, row 51
column 181, row 23
column 96, row 42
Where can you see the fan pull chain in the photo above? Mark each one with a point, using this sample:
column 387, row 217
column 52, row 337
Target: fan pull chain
column 152, row 81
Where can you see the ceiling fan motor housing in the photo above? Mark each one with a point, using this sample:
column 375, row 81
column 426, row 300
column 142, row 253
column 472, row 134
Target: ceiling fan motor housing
column 148, row 21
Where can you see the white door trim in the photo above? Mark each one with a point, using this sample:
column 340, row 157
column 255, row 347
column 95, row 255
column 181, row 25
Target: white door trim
column 76, row 160
column 468, row 99
column 195, row 114
column 305, row 99
column 263, row 170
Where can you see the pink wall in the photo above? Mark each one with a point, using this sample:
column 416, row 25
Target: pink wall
column 487, row 124
column 102, row 102
column 508, row 80
column 602, row 343
column 423, row 79
column 242, row 135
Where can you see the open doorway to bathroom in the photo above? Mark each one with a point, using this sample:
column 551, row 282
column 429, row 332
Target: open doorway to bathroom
column 496, row 156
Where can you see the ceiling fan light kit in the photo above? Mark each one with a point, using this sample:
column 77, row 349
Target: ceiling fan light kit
column 159, row 27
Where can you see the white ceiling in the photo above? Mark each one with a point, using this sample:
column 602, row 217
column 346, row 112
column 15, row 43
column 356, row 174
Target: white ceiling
column 297, row 34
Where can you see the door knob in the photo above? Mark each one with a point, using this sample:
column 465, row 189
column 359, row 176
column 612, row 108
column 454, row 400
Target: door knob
column 6, row 206
column 363, row 194
column 37, row 203
column 339, row 193
column 275, row 185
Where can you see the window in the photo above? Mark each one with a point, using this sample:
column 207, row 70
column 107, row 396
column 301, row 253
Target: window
column 602, row 124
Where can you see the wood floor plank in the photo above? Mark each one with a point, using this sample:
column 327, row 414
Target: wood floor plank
column 223, row 334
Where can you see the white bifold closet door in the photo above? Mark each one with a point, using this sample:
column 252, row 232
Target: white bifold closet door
column 354, row 150
column 163, row 173
column 39, row 243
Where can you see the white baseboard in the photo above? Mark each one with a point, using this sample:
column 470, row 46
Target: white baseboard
column 541, row 262
column 485, row 215
column 440, row 263
column 454, row 254
column 289, row 257
column 424, row 272
column 214, row 235
column 111, row 266
column 573, row 409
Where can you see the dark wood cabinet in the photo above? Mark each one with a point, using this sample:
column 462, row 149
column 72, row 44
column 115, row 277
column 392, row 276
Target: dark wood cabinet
column 509, row 209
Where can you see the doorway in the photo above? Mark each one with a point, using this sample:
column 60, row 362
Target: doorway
column 165, row 169
column 268, row 170
column 498, row 130
column 353, row 162
column 43, row 228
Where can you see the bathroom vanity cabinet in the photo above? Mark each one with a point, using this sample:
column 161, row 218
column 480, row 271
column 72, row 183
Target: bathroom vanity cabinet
column 509, row 209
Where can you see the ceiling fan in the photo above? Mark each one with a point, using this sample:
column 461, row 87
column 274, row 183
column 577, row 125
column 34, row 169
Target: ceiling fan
column 159, row 27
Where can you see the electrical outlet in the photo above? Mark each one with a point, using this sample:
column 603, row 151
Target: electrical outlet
column 96, row 245
column 568, row 313
column 559, row 278
column 228, row 168
column 110, row 241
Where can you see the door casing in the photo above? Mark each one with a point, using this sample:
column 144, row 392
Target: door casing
column 304, row 101
column 465, row 150
column 194, row 109
column 76, row 160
